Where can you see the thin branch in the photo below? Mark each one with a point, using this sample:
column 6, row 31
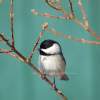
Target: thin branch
column 93, row 33
column 73, row 19
column 48, row 15
column 58, row 8
column 11, row 23
column 44, row 26
column 84, row 24
column 35, row 45
column 22, row 58
column 52, row 5
column 70, row 37
column 71, row 9
column 88, row 29
column 5, row 51
column 85, row 19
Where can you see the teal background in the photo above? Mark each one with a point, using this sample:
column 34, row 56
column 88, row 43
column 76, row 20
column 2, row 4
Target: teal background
column 19, row 82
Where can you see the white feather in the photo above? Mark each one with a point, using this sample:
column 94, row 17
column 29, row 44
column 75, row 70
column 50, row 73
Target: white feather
column 53, row 65
column 53, row 49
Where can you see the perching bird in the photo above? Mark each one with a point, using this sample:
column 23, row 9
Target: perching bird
column 52, row 61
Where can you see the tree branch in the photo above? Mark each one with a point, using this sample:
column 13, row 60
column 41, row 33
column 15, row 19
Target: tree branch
column 84, row 24
column 35, row 45
column 85, row 19
column 5, row 51
column 53, row 5
column 71, row 9
column 73, row 38
column 57, row 7
column 11, row 24
column 22, row 58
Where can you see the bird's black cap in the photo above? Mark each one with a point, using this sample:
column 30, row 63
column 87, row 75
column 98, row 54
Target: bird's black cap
column 47, row 43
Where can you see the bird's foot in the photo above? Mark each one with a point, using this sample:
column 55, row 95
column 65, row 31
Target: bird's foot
column 43, row 76
column 59, row 92
column 53, row 86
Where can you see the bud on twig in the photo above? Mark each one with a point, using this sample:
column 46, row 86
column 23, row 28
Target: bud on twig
column 34, row 11
column 45, row 26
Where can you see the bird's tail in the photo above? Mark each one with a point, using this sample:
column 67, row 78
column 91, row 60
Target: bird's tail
column 64, row 77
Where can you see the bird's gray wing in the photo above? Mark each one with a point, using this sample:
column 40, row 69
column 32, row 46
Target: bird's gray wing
column 63, row 58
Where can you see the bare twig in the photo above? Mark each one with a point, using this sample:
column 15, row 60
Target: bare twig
column 5, row 51
column 85, row 25
column 44, row 26
column 11, row 23
column 48, row 15
column 73, row 19
column 70, row 37
column 51, row 4
column 35, row 45
column 58, row 8
column 71, row 9
column 85, row 22
column 85, row 19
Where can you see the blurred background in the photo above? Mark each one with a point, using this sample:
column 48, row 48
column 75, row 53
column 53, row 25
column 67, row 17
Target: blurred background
column 19, row 82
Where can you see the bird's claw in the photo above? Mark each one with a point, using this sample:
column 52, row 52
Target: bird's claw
column 43, row 76
column 53, row 86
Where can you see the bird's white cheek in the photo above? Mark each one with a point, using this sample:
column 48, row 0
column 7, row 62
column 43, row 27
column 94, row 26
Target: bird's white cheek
column 52, row 50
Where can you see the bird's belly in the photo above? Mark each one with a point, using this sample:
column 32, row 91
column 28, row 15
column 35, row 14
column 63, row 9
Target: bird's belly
column 53, row 65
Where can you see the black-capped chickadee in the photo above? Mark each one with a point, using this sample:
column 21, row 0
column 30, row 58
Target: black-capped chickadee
column 51, row 60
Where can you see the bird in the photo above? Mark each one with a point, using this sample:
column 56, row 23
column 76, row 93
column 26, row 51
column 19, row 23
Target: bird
column 51, row 60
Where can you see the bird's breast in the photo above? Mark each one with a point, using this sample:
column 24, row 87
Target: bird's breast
column 53, row 63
